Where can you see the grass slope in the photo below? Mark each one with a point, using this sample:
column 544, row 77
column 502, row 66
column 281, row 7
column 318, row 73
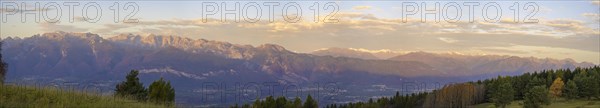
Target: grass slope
column 23, row 96
column 561, row 103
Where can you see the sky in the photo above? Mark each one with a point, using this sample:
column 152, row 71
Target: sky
column 544, row 29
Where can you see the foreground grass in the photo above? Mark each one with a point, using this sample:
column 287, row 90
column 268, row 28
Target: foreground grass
column 560, row 103
column 23, row 96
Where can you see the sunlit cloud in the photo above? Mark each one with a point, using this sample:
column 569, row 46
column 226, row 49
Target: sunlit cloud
column 448, row 40
column 52, row 27
column 596, row 2
column 362, row 30
column 593, row 16
column 361, row 7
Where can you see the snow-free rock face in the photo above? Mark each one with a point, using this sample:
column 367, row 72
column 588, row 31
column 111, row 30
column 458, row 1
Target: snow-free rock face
column 195, row 46
column 345, row 52
column 72, row 54
column 361, row 53
column 486, row 64
column 460, row 64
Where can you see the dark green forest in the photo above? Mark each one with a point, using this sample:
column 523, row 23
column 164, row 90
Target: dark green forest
column 534, row 89
column 280, row 102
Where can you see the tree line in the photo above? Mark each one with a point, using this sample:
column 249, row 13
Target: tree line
column 396, row 101
column 280, row 102
column 160, row 91
column 539, row 88
column 535, row 89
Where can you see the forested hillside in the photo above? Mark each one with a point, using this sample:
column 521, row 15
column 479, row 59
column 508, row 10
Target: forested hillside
column 533, row 89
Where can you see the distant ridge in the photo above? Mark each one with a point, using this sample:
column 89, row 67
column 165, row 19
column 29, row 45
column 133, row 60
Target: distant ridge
column 77, row 53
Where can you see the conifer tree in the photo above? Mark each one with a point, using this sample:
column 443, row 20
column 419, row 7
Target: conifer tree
column 536, row 97
column 160, row 91
column 132, row 87
column 280, row 102
column 310, row 102
column 504, row 94
column 587, row 85
column 297, row 103
column 571, row 90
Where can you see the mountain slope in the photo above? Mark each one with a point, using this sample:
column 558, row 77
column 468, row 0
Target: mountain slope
column 487, row 64
column 81, row 54
column 85, row 54
column 454, row 64
column 344, row 52
column 356, row 53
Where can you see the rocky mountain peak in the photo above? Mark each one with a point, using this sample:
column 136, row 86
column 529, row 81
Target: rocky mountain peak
column 271, row 47
column 345, row 52
column 60, row 35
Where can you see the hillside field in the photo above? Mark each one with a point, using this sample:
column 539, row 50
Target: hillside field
column 45, row 97
column 561, row 103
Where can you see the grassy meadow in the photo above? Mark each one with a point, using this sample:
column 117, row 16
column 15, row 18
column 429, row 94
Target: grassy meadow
column 44, row 97
column 560, row 103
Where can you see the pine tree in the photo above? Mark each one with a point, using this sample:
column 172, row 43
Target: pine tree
column 310, row 103
column 246, row 106
column 297, row 103
column 536, row 97
column 396, row 100
column 550, row 78
column 132, row 87
column 269, row 102
column 571, row 90
column 257, row 104
column 587, row 85
column 520, row 84
column 504, row 94
column 536, row 81
column 160, row 91
column 556, row 88
column 595, row 74
column 281, row 102
column 3, row 66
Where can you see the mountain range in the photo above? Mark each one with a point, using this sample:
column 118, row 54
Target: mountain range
column 357, row 53
column 87, row 57
column 461, row 64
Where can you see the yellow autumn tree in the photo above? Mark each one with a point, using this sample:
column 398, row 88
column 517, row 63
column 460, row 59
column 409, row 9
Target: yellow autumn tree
column 556, row 88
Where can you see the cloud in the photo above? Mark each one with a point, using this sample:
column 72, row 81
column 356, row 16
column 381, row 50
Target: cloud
column 52, row 27
column 111, row 28
column 360, row 30
column 354, row 15
column 374, row 51
column 378, row 33
column 503, row 50
column 361, row 7
column 447, row 40
column 593, row 16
